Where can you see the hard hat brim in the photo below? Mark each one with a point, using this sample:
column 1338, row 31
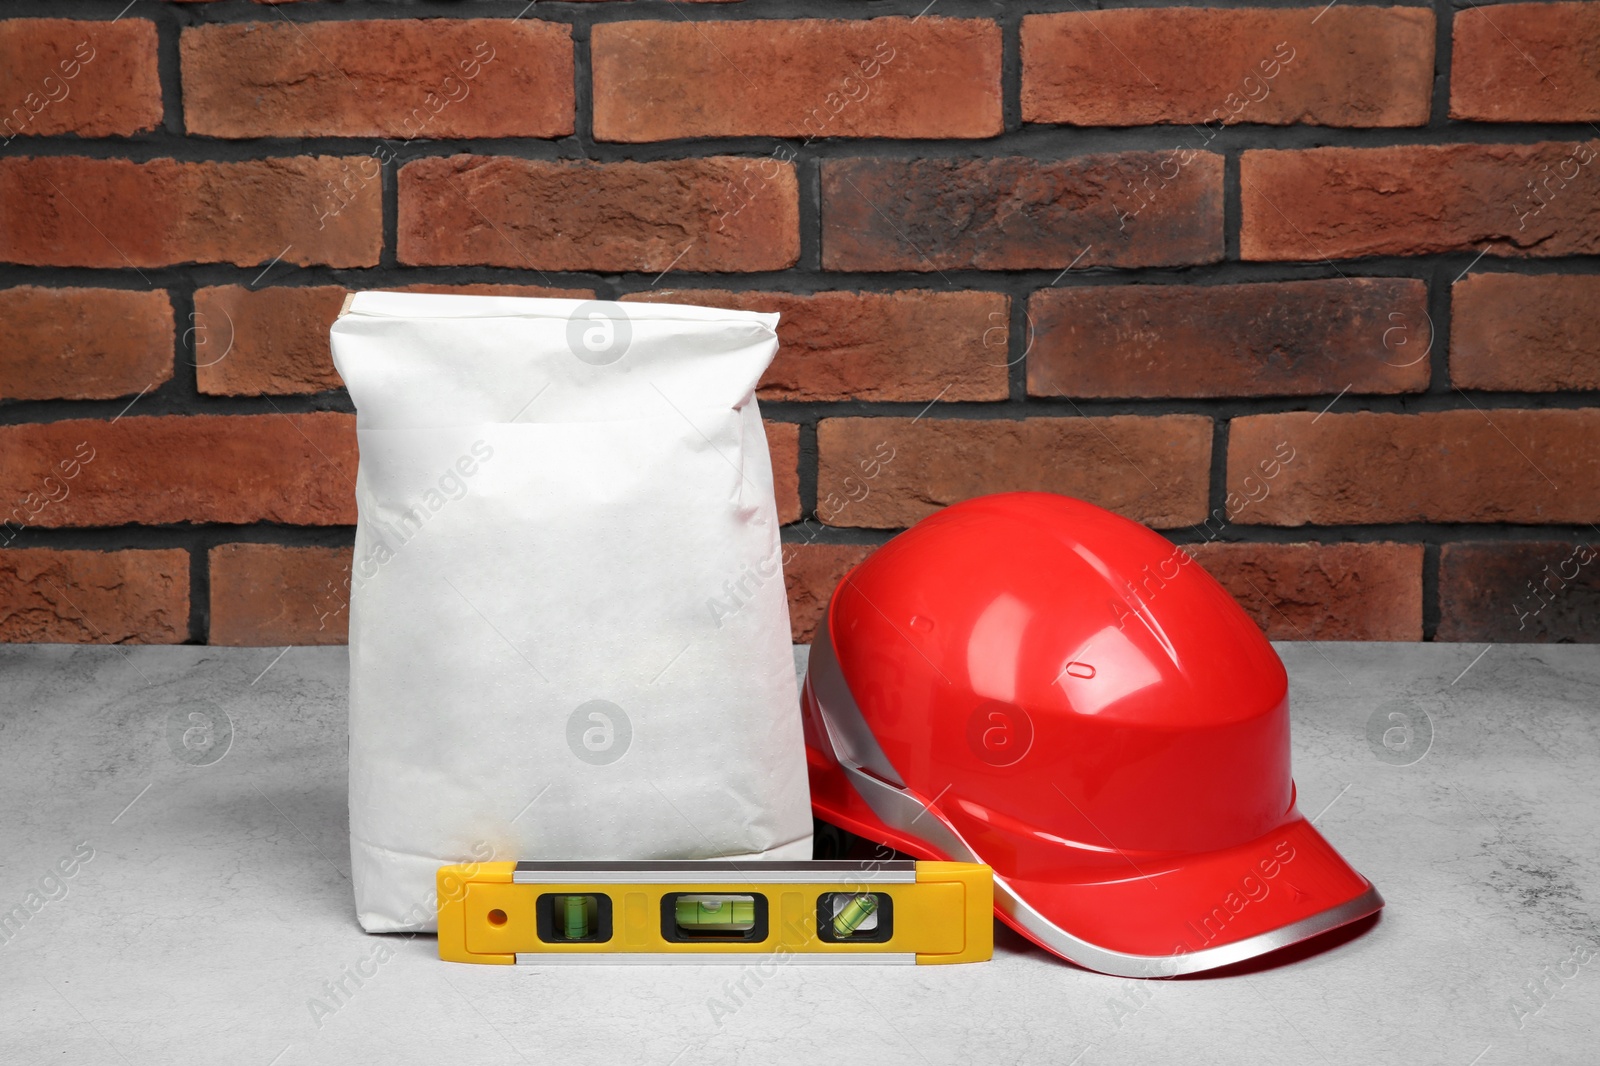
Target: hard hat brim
column 1138, row 915
column 1156, row 919
column 1199, row 912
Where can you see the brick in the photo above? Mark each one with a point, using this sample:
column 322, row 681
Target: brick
column 83, row 344
column 911, row 345
column 72, row 211
column 783, row 442
column 1016, row 214
column 886, row 473
column 268, row 594
column 1293, row 338
column 1343, row 203
column 401, row 78
column 1525, row 334
column 90, row 597
column 684, row 214
column 265, row 341
column 94, row 79
column 1442, row 466
column 807, row 78
column 1322, row 591
column 1520, row 592
column 811, row 572
column 1526, row 63
column 1352, row 66
column 274, row 341
column 295, row 469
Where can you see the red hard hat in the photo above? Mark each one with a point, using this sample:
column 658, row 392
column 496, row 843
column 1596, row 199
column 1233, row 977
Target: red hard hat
column 1032, row 682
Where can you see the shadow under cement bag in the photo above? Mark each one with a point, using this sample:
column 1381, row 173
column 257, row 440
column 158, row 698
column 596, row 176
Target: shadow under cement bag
column 569, row 637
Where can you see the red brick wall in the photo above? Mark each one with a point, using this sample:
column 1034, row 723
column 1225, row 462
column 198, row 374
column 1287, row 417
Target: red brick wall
column 1310, row 289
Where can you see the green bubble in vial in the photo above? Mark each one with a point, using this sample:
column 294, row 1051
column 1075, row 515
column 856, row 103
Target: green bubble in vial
column 853, row 913
column 577, row 917
column 732, row 915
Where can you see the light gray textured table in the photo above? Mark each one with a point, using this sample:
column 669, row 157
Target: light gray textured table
column 215, row 910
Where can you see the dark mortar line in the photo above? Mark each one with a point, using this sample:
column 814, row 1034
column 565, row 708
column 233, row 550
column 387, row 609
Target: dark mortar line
column 1217, row 471
column 809, row 469
column 199, row 592
column 1440, row 307
column 808, row 175
column 1432, row 608
column 168, row 400
column 183, row 389
column 1010, row 20
column 200, row 539
column 1444, row 24
column 389, row 208
column 1019, row 337
column 168, row 70
column 1232, row 207
column 582, row 138
column 1436, row 269
column 1038, row 142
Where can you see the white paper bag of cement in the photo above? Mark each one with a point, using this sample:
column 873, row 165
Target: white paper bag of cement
column 555, row 499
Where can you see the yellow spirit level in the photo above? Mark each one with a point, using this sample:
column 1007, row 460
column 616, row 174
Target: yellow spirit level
column 546, row 913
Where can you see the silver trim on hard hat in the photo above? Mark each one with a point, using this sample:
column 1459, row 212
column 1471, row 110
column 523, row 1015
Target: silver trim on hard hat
column 849, row 736
column 875, row 780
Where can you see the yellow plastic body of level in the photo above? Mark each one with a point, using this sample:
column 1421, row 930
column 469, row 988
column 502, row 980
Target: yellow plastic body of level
column 547, row 913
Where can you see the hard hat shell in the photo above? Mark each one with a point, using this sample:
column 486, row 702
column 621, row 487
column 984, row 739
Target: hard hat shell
column 1033, row 682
